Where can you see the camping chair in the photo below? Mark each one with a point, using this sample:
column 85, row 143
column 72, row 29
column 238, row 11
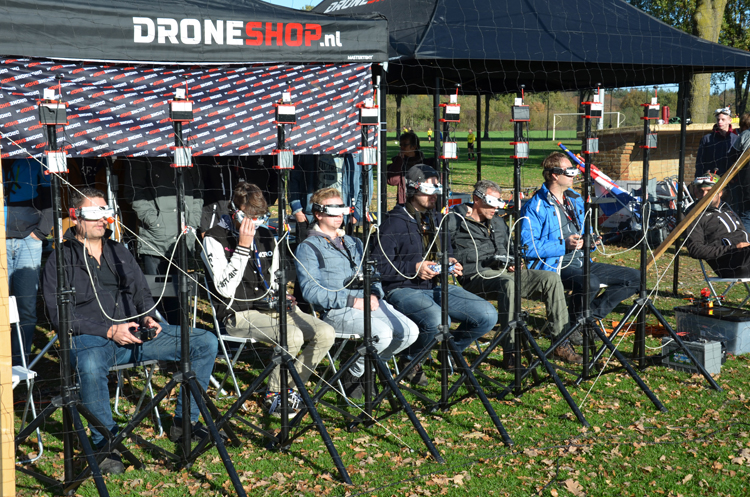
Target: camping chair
column 23, row 373
column 710, row 280
column 224, row 338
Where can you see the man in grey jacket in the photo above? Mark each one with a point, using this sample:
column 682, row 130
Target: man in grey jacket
column 481, row 243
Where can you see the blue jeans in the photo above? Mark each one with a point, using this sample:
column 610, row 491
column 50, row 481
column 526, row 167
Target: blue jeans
column 622, row 282
column 92, row 356
column 476, row 315
column 24, row 260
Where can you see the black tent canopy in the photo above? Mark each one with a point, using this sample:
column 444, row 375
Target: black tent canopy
column 491, row 46
column 184, row 31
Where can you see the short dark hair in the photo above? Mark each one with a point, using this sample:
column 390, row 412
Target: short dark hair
column 744, row 121
column 78, row 196
column 411, row 138
column 249, row 198
column 552, row 161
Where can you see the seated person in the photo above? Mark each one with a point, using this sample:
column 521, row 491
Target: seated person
column 718, row 236
column 409, row 156
column 479, row 236
column 105, row 314
column 325, row 260
column 409, row 241
column 242, row 256
column 553, row 221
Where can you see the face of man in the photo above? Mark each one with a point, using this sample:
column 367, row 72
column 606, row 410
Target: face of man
column 423, row 202
column 407, row 149
column 562, row 180
column 723, row 121
column 330, row 223
column 703, row 191
column 92, row 230
column 483, row 209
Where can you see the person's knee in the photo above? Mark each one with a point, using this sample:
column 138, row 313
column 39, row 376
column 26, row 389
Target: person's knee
column 204, row 343
column 294, row 338
column 325, row 335
column 486, row 315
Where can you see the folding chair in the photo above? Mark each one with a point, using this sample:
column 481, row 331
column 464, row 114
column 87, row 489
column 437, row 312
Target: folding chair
column 730, row 281
column 224, row 338
column 23, row 373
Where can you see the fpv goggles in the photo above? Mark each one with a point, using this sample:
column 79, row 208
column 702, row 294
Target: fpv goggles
column 490, row 200
column 571, row 172
column 708, row 180
column 332, row 209
column 426, row 188
column 93, row 213
column 239, row 215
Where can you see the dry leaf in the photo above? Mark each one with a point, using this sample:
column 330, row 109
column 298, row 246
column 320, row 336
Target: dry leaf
column 574, row 487
column 687, row 479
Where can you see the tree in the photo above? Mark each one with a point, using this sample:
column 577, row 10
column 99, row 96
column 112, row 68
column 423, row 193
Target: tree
column 735, row 33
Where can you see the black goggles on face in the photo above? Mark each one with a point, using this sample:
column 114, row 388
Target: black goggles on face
column 571, row 172
column 332, row 209
column 495, row 202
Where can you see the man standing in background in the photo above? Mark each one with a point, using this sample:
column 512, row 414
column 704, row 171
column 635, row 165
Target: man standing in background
column 470, row 139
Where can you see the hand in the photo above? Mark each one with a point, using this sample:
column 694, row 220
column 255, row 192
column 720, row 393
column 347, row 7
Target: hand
column 424, row 272
column 742, row 245
column 32, row 235
column 374, row 303
column 458, row 270
column 121, row 334
column 574, row 242
column 291, row 299
column 300, row 217
column 150, row 322
column 511, row 269
column 247, row 233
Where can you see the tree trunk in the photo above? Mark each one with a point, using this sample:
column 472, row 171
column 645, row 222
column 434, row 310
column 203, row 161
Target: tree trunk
column 709, row 15
column 740, row 91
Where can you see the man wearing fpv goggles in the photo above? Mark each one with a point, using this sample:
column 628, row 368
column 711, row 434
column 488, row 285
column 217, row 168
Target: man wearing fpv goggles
column 481, row 244
column 242, row 258
column 106, row 315
column 326, row 262
column 409, row 245
column 714, row 148
column 718, row 236
column 553, row 220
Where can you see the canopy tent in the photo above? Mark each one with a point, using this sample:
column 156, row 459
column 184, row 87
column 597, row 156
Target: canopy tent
column 489, row 46
column 119, row 108
column 177, row 31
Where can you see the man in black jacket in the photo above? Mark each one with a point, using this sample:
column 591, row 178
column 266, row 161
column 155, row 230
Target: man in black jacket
column 241, row 254
column 481, row 244
column 407, row 258
column 111, row 301
column 718, row 236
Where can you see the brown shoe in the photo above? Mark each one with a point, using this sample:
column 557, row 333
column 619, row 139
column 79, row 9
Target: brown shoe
column 509, row 361
column 565, row 352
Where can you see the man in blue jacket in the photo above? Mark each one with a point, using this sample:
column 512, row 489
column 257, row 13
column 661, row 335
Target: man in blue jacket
column 111, row 300
column 326, row 260
column 407, row 258
column 553, row 221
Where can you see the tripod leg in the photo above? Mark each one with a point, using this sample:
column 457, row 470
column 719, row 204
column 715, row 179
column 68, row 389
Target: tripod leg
column 35, row 423
column 681, row 344
column 385, row 373
column 321, row 427
column 461, row 362
column 88, row 451
column 630, row 370
column 195, row 391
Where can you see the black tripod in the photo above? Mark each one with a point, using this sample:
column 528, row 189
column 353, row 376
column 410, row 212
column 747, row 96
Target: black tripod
column 643, row 304
column 281, row 357
column 68, row 400
column 524, row 341
column 367, row 349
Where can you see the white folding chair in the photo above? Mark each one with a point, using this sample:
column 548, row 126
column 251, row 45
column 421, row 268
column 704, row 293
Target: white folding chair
column 224, row 339
column 710, row 280
column 23, row 373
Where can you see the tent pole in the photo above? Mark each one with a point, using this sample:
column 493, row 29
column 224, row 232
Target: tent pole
column 383, row 144
column 479, row 136
column 682, row 106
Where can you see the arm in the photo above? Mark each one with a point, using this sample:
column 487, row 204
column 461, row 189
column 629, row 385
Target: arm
column 144, row 203
column 227, row 275
column 395, row 171
column 394, row 250
column 531, row 234
column 309, row 277
column 699, row 249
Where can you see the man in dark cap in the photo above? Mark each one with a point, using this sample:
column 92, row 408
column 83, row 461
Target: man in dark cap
column 407, row 258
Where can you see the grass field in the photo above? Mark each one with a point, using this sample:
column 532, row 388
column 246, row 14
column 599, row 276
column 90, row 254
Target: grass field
column 700, row 447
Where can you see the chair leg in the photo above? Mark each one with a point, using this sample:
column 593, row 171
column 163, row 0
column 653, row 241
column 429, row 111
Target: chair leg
column 117, row 393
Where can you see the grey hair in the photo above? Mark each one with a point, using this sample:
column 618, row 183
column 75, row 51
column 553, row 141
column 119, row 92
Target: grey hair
column 77, row 197
column 483, row 185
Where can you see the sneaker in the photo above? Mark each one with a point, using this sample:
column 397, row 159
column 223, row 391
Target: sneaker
column 566, row 353
column 272, row 403
column 416, row 375
column 197, row 433
column 353, row 386
column 112, row 464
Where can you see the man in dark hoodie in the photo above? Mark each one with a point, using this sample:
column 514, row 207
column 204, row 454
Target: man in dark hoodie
column 479, row 236
column 28, row 221
column 409, row 156
column 407, row 258
column 718, row 236
column 714, row 149
column 111, row 301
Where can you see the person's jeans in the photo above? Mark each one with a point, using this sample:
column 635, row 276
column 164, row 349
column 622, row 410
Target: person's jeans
column 476, row 315
column 92, row 356
column 394, row 331
column 24, row 259
column 622, row 282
